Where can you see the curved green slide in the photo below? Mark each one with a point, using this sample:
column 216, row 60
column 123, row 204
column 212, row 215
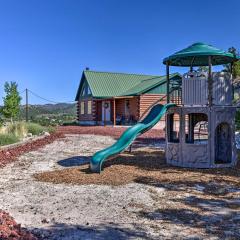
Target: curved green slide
column 129, row 136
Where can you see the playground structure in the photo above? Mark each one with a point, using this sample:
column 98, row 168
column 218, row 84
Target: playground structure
column 200, row 130
column 204, row 135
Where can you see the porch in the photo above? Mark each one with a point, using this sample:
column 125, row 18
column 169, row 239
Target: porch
column 117, row 111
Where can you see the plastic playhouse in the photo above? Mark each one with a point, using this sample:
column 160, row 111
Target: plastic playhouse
column 200, row 127
column 204, row 137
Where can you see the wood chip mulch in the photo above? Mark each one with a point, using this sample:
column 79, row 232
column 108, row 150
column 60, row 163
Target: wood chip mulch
column 10, row 155
column 10, row 230
column 146, row 166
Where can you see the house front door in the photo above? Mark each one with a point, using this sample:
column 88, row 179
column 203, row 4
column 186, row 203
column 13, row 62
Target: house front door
column 106, row 111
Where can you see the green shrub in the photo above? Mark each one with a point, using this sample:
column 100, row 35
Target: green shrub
column 21, row 129
column 51, row 129
column 6, row 139
column 18, row 129
column 35, row 128
column 12, row 133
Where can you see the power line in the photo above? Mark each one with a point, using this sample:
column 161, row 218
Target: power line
column 47, row 100
column 27, row 106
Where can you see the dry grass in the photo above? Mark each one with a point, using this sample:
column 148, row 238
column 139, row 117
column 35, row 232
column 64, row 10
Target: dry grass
column 147, row 166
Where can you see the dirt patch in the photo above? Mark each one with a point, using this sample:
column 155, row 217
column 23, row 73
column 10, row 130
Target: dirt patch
column 145, row 166
column 150, row 136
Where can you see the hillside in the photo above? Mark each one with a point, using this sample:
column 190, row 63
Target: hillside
column 56, row 113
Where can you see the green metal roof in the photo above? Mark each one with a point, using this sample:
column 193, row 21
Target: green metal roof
column 107, row 84
column 197, row 55
column 148, row 84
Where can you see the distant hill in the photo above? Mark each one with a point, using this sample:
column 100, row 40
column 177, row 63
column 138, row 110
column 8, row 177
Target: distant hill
column 60, row 110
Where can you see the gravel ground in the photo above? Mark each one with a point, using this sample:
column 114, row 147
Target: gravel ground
column 177, row 204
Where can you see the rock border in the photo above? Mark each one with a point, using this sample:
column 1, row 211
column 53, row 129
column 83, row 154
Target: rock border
column 9, row 229
column 22, row 142
column 10, row 153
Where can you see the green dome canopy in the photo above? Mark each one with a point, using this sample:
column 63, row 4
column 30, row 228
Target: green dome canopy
column 197, row 55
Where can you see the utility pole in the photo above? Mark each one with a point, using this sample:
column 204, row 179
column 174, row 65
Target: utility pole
column 26, row 105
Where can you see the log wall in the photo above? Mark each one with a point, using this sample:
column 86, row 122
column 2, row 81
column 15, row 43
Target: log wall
column 86, row 116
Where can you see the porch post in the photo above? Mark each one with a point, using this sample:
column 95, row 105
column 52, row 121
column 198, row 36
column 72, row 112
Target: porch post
column 104, row 113
column 114, row 112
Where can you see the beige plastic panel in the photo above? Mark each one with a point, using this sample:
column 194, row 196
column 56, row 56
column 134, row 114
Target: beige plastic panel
column 194, row 89
column 222, row 88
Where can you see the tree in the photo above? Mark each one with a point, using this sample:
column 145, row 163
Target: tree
column 236, row 69
column 11, row 101
column 235, row 66
column 202, row 69
column 235, row 73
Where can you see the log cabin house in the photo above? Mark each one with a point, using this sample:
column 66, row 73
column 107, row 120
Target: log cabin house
column 106, row 98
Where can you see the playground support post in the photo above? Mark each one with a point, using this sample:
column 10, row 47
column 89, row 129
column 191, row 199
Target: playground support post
column 191, row 67
column 232, row 80
column 210, row 83
column 168, row 82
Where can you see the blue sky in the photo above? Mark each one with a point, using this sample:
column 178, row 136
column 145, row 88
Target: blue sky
column 45, row 45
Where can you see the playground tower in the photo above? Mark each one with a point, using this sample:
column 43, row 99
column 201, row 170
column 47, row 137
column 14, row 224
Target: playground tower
column 201, row 130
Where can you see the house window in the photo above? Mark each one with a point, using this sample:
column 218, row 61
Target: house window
column 88, row 91
column 196, row 128
column 82, row 107
column 173, row 130
column 83, row 91
column 89, row 109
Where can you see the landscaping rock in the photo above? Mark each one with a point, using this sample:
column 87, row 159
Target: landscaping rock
column 9, row 229
column 45, row 220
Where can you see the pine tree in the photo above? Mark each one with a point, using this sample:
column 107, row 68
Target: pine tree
column 11, row 101
column 235, row 66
